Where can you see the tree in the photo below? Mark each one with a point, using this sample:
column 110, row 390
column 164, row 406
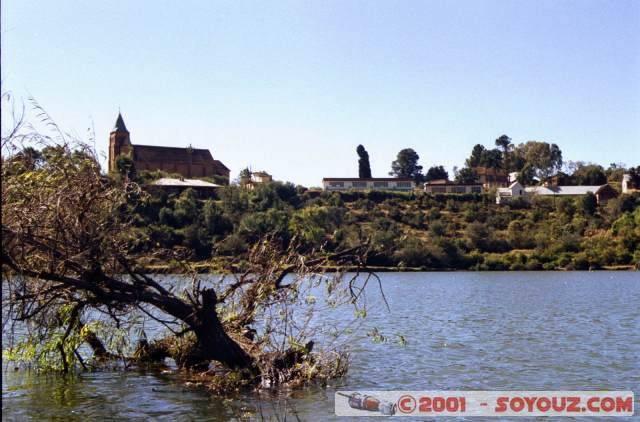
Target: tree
column 589, row 203
column 364, row 168
column 475, row 159
column 504, row 142
column 437, row 172
column 126, row 168
column 491, row 158
column 466, row 176
column 245, row 176
column 526, row 176
column 482, row 157
column 544, row 159
column 634, row 175
column 589, row 175
column 406, row 165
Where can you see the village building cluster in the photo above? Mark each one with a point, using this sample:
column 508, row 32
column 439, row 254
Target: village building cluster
column 193, row 164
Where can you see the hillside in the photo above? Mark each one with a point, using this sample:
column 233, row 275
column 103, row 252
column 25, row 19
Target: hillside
column 406, row 231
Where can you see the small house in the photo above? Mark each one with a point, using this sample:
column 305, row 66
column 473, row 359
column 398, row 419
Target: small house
column 515, row 190
column 256, row 178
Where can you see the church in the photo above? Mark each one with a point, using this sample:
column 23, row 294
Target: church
column 188, row 162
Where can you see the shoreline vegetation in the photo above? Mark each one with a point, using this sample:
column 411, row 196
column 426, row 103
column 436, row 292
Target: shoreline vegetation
column 209, row 268
column 405, row 231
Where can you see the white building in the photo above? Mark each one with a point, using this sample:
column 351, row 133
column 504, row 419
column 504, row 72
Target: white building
column 627, row 185
column 375, row 183
column 261, row 177
column 515, row 190
column 255, row 178
column 445, row 186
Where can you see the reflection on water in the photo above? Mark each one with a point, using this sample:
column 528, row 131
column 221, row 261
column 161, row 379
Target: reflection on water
column 507, row 331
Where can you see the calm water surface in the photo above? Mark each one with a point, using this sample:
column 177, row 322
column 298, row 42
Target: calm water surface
column 481, row 331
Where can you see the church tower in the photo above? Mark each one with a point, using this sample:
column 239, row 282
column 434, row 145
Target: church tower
column 119, row 142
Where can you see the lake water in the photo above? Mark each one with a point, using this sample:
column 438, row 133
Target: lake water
column 464, row 330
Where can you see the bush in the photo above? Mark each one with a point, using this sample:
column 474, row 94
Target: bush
column 589, row 203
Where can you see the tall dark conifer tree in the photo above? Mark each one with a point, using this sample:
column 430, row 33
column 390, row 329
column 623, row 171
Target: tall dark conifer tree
column 364, row 168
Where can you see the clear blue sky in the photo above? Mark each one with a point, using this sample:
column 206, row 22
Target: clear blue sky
column 292, row 87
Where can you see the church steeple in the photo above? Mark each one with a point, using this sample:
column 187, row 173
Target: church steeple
column 120, row 127
column 119, row 142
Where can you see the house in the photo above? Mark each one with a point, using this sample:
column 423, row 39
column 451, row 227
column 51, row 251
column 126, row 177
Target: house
column 491, row 177
column 603, row 192
column 445, row 186
column 256, row 178
column 515, row 190
column 261, row 177
column 176, row 186
column 627, row 184
column 188, row 162
column 374, row 183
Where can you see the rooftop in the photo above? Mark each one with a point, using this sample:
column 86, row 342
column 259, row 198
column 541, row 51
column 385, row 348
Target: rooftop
column 563, row 190
column 193, row 183
column 370, row 179
column 442, row 182
column 120, row 126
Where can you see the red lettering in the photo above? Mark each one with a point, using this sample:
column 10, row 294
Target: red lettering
column 574, row 404
column 624, row 404
column 558, row 407
column 501, row 404
column 544, row 404
column 517, row 404
column 607, row 404
column 530, row 402
column 591, row 406
column 452, row 404
column 425, row 404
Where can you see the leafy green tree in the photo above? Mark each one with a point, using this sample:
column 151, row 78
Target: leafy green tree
column 526, row 175
column 436, row 172
column 504, row 142
column 476, row 234
column 215, row 221
column 314, row 224
column 491, row 158
column 566, row 206
column 475, row 159
column 466, row 176
column 543, row 158
column 414, row 253
column 185, row 209
column 634, row 174
column 589, row 175
column 406, row 165
column 589, row 203
column 244, row 176
column 255, row 226
column 125, row 167
column 364, row 167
